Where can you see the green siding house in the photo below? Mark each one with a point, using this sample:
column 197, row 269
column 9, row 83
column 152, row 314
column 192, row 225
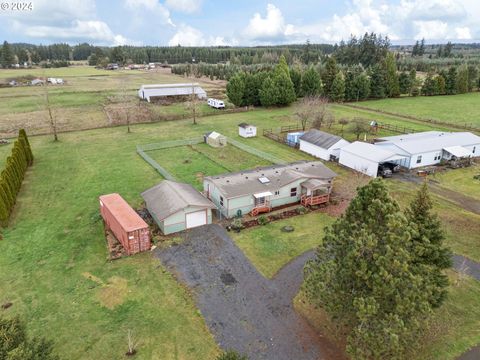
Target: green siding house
column 176, row 206
column 262, row 189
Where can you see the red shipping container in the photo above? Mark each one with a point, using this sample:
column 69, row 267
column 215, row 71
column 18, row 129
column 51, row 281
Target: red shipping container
column 125, row 224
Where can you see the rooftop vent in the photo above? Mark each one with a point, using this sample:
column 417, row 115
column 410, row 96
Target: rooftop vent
column 264, row 180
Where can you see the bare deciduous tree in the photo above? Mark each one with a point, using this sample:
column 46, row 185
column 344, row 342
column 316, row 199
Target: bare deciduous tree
column 131, row 344
column 312, row 109
column 192, row 105
column 52, row 119
column 343, row 122
column 359, row 126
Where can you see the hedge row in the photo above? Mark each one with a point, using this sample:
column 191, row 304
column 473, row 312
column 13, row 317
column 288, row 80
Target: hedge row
column 12, row 175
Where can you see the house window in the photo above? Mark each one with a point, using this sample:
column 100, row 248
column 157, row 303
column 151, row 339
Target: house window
column 293, row 192
column 419, row 159
column 437, row 156
column 277, row 192
column 221, row 200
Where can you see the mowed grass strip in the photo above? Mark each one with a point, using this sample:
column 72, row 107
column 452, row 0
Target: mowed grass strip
column 458, row 109
column 269, row 248
column 461, row 180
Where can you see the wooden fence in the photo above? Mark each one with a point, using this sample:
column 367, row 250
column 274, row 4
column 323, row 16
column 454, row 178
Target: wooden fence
column 280, row 134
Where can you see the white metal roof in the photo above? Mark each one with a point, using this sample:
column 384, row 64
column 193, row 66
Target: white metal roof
column 214, row 135
column 371, row 152
column 458, row 151
column 262, row 194
column 432, row 141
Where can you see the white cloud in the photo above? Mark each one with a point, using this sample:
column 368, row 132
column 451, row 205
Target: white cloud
column 463, row 33
column 272, row 27
column 151, row 7
column 189, row 36
column 186, row 6
column 433, row 29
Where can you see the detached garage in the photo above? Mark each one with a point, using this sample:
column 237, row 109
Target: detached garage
column 365, row 157
column 176, row 206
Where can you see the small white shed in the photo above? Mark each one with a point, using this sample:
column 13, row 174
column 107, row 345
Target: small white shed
column 215, row 139
column 246, row 130
column 365, row 157
column 321, row 144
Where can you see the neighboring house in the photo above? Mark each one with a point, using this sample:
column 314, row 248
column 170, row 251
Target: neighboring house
column 246, row 130
column 176, row 206
column 321, row 144
column 147, row 92
column 259, row 190
column 366, row 158
column 215, row 139
column 431, row 147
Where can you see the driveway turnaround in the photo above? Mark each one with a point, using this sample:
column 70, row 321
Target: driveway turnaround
column 245, row 311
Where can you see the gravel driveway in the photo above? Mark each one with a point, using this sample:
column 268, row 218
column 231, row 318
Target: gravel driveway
column 245, row 311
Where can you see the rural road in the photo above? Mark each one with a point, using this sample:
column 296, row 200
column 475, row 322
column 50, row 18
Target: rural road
column 245, row 311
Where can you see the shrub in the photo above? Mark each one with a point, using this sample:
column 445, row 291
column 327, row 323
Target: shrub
column 237, row 224
column 263, row 220
column 301, row 210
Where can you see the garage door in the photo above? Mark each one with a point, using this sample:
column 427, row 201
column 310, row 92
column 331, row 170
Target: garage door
column 196, row 218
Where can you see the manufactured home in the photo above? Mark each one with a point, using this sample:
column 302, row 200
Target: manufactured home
column 321, row 144
column 158, row 91
column 263, row 189
column 246, row 130
column 431, row 147
column 177, row 206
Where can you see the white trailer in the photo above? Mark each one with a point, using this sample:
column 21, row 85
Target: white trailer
column 215, row 103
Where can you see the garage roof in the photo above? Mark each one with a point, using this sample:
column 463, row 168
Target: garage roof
column 169, row 197
column 371, row 152
column 320, row 138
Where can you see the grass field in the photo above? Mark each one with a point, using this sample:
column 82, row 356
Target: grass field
column 461, row 180
column 434, row 107
column 269, row 249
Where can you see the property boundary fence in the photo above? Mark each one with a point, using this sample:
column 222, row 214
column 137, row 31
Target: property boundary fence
column 143, row 149
column 279, row 134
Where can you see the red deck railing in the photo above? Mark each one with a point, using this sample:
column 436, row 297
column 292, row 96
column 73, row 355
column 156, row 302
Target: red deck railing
column 261, row 209
column 315, row 200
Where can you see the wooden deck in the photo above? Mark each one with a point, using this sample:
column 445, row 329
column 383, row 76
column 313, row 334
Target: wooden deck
column 260, row 209
column 314, row 200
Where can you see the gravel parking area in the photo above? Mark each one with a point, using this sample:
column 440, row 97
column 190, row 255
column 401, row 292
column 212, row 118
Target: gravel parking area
column 245, row 311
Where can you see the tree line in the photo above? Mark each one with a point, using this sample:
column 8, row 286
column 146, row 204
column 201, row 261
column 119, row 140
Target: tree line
column 12, row 175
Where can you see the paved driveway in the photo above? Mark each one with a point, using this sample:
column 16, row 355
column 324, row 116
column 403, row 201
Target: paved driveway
column 244, row 310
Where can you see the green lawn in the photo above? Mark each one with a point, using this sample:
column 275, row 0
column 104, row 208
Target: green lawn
column 458, row 109
column 269, row 249
column 461, row 180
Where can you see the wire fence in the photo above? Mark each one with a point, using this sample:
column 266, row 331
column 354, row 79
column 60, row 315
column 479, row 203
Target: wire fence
column 156, row 165
column 256, row 152
column 170, row 144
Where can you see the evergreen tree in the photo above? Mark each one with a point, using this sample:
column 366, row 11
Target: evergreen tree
column 311, row 83
column 362, row 86
column 22, row 135
column 404, row 82
column 283, row 82
column 296, row 77
column 377, row 81
column 236, row 89
column 430, row 254
column 337, row 92
column 462, row 80
column 350, row 86
column 363, row 277
column 392, row 87
column 472, row 77
column 331, row 70
column 269, row 93
column 429, row 87
column 7, row 57
column 451, row 81
column 440, row 85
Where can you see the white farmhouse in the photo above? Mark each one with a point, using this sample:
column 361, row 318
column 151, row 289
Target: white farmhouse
column 366, row 158
column 321, row 144
column 431, row 147
column 246, row 130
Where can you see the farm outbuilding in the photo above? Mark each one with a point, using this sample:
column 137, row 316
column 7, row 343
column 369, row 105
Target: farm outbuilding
column 215, row 139
column 177, row 206
column 246, row 130
column 149, row 92
column 321, row 144
column 366, row 158
column 124, row 223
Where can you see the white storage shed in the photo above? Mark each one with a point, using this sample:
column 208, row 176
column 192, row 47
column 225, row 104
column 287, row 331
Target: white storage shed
column 321, row 144
column 246, row 130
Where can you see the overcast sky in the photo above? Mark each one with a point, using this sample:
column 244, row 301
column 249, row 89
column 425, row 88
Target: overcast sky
column 244, row 22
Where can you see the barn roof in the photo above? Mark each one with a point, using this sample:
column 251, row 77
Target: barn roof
column 268, row 178
column 169, row 197
column 171, row 90
column 320, row 138
column 371, row 152
column 123, row 212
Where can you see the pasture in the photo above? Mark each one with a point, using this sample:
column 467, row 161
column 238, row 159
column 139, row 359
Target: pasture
column 53, row 254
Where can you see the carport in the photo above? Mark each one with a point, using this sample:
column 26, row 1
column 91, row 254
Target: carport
column 365, row 157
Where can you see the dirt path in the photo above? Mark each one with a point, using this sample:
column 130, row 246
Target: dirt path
column 244, row 310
